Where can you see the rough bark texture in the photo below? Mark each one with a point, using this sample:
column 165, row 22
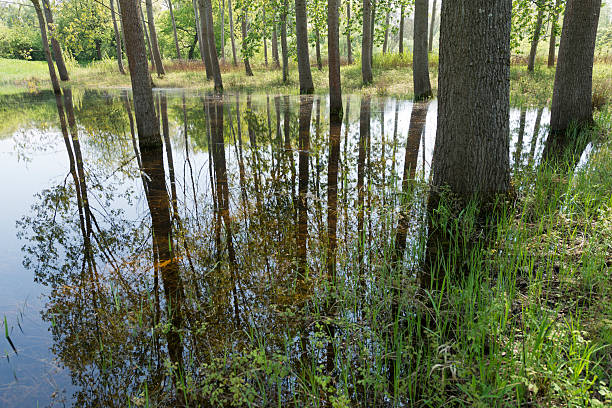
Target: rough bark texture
column 572, row 94
column 212, row 47
column 366, row 41
column 349, row 48
column 420, row 60
column 57, row 50
column 553, row 35
column 471, row 154
column 284, row 49
column 535, row 40
column 159, row 66
column 401, row 30
column 432, row 25
column 247, row 64
column 117, row 38
column 275, row 46
column 233, row 41
column 176, row 43
column 333, row 46
column 205, row 44
column 301, row 33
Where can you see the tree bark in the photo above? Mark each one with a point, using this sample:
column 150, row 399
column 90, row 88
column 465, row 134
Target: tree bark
column 223, row 31
column 572, row 94
column 420, row 61
column 301, row 33
column 349, row 48
column 159, row 66
column 46, row 50
column 247, row 64
column 146, row 33
column 212, row 47
column 284, row 49
column 196, row 12
column 333, row 46
column 275, row 46
column 233, row 41
column 386, row 42
column 372, row 31
column 535, row 40
column 553, row 35
column 401, row 30
column 265, row 38
column 117, row 39
column 176, row 43
column 55, row 45
column 204, row 43
column 366, row 44
column 432, row 25
column 318, row 49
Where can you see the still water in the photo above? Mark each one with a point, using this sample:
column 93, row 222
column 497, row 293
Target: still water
column 118, row 265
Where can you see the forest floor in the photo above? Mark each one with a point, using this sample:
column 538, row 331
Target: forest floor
column 392, row 77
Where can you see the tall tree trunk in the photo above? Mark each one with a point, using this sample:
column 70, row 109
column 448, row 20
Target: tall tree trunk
column 98, row 44
column 247, row 64
column 159, row 66
column 535, row 39
column 366, row 44
column 57, row 49
column 420, row 61
column 386, row 41
column 284, row 49
column 212, row 46
column 196, row 12
column 117, row 38
column 333, row 57
column 265, row 37
column 318, row 49
column 146, row 33
column 572, row 94
column 554, row 20
column 349, row 48
column 301, row 33
column 46, row 50
column 223, row 31
column 401, row 30
column 232, row 37
column 432, row 25
column 204, row 42
column 275, row 46
column 372, row 31
column 176, row 43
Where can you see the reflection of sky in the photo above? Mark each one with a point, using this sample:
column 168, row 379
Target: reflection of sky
column 32, row 161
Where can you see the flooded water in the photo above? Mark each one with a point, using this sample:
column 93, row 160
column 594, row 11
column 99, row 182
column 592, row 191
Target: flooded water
column 217, row 254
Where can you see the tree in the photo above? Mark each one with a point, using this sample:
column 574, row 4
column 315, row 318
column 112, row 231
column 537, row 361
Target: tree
column 159, row 66
column 117, row 39
column 284, row 49
column 301, row 32
column 333, row 47
column 420, row 60
column 536, row 37
column 401, row 30
column 46, row 50
column 231, row 24
column 572, row 94
column 349, row 49
column 245, row 52
column 212, row 47
column 176, row 43
column 57, row 49
column 366, row 44
column 432, row 25
column 553, row 33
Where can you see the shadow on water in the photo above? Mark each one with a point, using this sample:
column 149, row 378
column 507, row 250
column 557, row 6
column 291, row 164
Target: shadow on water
column 256, row 255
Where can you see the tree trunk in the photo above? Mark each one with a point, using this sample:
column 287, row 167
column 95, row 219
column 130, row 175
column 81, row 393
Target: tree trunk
column 301, row 33
column 247, row 64
column 420, row 61
column 205, row 44
column 372, row 32
column 117, row 38
column 212, row 46
column 432, row 25
column 98, row 44
column 57, row 49
column 146, row 33
column 275, row 46
column 159, row 66
column 401, row 30
column 176, row 43
column 265, row 38
column 333, row 56
column 318, row 49
column 284, row 49
column 553, row 35
column 366, row 41
column 223, row 31
column 572, row 95
column 535, row 40
column 386, row 42
column 46, row 50
column 233, row 41
column 196, row 12
column 349, row 48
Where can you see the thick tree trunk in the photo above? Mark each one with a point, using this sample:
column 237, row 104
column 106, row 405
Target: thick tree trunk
column 401, row 30
column 117, row 38
column 284, row 49
column 349, row 47
column 366, row 44
column 572, row 95
column 212, row 46
column 55, row 45
column 159, row 66
column 301, row 33
column 204, row 43
column 386, row 41
column 318, row 49
column 176, row 43
column 333, row 51
column 247, row 64
column 535, row 40
column 232, row 37
column 432, row 25
column 553, row 35
column 275, row 46
column 420, row 61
